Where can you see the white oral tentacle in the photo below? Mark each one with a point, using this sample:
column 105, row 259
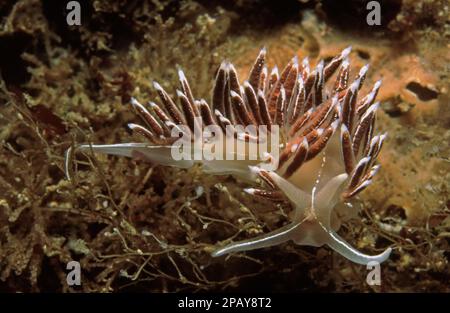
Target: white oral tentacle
column 338, row 244
column 276, row 237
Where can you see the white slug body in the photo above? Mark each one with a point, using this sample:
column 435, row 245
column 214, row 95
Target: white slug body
column 323, row 148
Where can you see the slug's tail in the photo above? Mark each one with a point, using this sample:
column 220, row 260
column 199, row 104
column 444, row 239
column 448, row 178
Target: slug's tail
column 158, row 154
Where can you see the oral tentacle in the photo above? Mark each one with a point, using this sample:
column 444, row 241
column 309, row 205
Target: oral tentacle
column 338, row 244
column 273, row 238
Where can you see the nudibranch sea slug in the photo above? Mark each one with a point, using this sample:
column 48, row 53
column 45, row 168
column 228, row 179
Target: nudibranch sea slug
column 325, row 150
